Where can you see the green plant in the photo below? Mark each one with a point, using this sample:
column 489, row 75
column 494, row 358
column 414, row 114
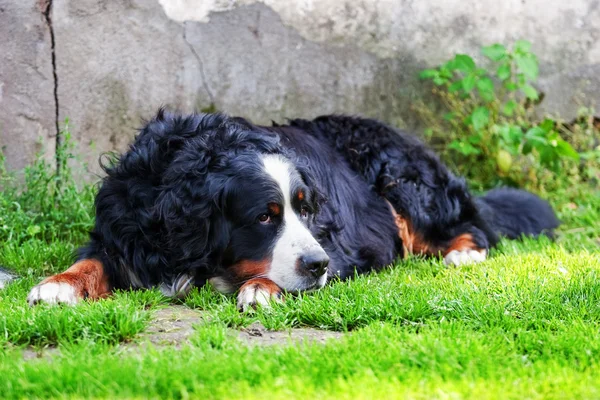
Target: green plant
column 46, row 203
column 584, row 133
column 490, row 128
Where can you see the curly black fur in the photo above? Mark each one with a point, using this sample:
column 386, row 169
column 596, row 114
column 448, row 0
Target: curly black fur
column 175, row 204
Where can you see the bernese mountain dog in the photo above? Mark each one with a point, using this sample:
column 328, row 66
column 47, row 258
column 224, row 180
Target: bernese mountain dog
column 263, row 210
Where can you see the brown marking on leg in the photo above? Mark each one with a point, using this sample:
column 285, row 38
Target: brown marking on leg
column 87, row 277
column 461, row 243
column 262, row 283
column 240, row 273
column 463, row 250
column 463, row 246
column 412, row 242
column 257, row 291
column 419, row 245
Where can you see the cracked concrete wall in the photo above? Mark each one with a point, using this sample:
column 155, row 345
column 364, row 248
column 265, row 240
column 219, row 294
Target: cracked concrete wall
column 118, row 61
column 27, row 108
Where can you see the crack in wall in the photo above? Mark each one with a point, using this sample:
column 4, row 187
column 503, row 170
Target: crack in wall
column 46, row 9
column 201, row 66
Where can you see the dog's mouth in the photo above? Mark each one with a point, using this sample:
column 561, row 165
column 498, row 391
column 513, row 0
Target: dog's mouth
column 310, row 285
column 321, row 281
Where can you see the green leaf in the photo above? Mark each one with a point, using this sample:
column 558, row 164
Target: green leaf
column 495, row 52
column 464, row 148
column 486, row 88
column 511, row 137
column 509, row 85
column 547, row 125
column 530, row 92
column 566, row 150
column 548, row 156
column 474, row 139
column 468, row 83
column 456, row 86
column 480, row 118
column 485, row 84
column 553, row 137
column 535, row 132
column 503, row 71
column 445, row 73
column 522, row 46
column 536, row 137
column 480, row 71
column 463, row 63
column 439, row 81
column 528, row 65
column 516, row 133
column 429, row 73
column 509, row 108
column 502, row 130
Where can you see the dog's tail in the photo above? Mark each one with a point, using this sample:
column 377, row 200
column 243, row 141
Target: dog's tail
column 513, row 213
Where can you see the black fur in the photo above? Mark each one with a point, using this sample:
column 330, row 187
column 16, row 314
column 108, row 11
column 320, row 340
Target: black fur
column 183, row 199
column 514, row 213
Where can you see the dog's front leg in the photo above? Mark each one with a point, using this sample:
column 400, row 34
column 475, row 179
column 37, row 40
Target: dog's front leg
column 85, row 279
column 257, row 291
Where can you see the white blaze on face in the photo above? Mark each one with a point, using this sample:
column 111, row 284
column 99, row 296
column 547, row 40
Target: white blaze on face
column 295, row 239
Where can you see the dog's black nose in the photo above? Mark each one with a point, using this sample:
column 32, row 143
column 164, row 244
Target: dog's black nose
column 315, row 263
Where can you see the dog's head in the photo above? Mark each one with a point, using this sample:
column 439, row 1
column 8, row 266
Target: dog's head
column 237, row 206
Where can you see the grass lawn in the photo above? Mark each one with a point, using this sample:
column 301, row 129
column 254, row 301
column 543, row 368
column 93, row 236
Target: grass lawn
column 524, row 324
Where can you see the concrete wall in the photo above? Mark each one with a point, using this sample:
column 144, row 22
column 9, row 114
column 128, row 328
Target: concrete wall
column 115, row 62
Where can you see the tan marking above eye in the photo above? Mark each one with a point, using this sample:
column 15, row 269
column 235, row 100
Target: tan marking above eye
column 300, row 195
column 274, row 208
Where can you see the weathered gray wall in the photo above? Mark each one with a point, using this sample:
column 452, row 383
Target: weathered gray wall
column 27, row 109
column 118, row 61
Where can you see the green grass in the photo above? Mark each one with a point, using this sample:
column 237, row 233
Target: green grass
column 111, row 321
column 440, row 360
column 524, row 324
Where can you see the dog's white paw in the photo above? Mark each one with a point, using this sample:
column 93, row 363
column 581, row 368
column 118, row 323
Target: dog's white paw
column 462, row 257
column 53, row 293
column 256, row 294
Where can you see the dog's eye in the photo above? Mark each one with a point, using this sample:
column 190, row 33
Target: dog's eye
column 264, row 218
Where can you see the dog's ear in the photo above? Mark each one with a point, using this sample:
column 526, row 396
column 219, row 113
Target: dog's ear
column 188, row 210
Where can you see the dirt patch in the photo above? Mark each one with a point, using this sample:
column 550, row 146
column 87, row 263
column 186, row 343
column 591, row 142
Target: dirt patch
column 46, row 353
column 257, row 335
column 172, row 326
